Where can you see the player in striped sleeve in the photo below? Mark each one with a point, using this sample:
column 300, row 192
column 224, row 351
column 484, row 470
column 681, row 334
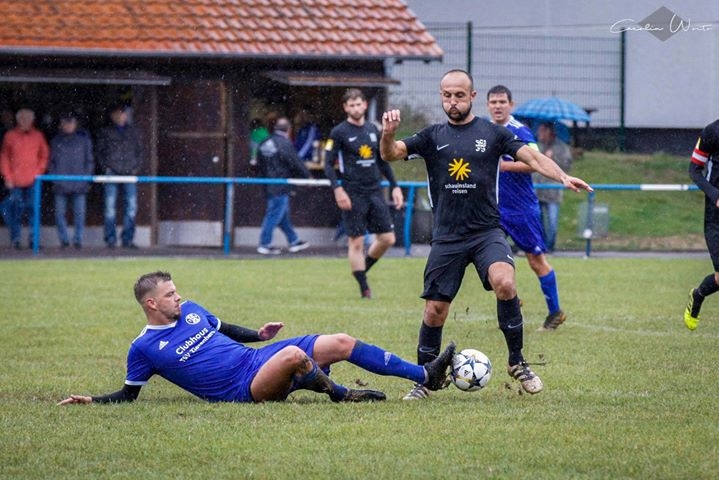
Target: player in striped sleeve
column 703, row 171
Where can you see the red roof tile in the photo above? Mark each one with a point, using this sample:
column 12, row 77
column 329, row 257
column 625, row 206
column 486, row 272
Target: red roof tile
column 239, row 28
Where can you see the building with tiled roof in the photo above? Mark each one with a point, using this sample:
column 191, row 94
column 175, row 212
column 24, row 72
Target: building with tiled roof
column 195, row 73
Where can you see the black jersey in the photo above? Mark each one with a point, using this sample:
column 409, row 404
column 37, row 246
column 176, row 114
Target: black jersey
column 704, row 166
column 462, row 173
column 356, row 149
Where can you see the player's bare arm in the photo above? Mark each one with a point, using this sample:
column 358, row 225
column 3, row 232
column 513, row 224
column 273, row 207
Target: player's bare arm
column 547, row 167
column 389, row 148
column 343, row 200
column 269, row 330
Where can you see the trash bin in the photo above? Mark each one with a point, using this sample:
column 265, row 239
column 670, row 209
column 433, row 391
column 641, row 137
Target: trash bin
column 596, row 226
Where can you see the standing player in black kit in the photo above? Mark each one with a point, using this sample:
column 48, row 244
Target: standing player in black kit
column 462, row 160
column 354, row 145
column 704, row 172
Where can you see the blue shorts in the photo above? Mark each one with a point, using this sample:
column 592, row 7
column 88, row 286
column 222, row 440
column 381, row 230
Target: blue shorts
column 525, row 229
column 260, row 356
column 448, row 261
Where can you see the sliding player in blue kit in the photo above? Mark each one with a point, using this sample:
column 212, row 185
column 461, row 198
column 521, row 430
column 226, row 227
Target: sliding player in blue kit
column 190, row 347
column 519, row 210
column 462, row 161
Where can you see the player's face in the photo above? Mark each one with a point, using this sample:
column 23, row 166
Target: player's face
column 355, row 109
column 499, row 108
column 457, row 96
column 166, row 300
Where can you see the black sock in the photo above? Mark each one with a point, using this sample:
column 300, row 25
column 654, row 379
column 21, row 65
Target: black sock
column 706, row 288
column 430, row 343
column 368, row 262
column 510, row 320
column 361, row 277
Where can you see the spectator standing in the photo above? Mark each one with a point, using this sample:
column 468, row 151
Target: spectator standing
column 23, row 157
column 71, row 154
column 119, row 153
column 277, row 158
column 354, row 144
column 550, row 199
column 7, row 122
column 307, row 135
column 258, row 134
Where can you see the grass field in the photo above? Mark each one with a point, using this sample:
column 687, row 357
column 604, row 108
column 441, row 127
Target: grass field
column 629, row 391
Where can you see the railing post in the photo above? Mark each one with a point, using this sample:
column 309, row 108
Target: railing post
column 590, row 223
column 227, row 229
column 36, row 198
column 409, row 210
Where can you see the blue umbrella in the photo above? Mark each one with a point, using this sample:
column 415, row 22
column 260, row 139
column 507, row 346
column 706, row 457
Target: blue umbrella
column 551, row 109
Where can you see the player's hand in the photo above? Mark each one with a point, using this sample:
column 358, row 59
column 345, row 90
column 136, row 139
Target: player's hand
column 342, row 199
column 577, row 184
column 397, row 198
column 83, row 399
column 390, row 121
column 269, row 330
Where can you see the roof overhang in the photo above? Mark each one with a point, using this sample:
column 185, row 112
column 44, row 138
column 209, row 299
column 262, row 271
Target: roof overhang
column 305, row 78
column 86, row 76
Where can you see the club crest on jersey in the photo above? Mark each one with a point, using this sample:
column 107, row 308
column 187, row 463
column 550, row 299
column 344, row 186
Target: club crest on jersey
column 459, row 169
column 480, row 145
column 192, row 319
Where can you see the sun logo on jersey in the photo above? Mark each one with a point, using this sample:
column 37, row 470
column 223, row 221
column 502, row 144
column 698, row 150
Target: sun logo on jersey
column 459, row 169
column 365, row 152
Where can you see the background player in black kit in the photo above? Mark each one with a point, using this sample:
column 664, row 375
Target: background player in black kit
column 462, row 160
column 354, row 145
column 704, row 172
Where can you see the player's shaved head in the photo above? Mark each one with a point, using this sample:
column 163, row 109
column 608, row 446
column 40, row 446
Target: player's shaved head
column 148, row 282
column 458, row 71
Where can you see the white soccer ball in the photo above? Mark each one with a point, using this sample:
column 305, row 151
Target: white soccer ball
column 471, row 370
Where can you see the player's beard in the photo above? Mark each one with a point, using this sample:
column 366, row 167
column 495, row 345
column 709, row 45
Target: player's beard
column 458, row 116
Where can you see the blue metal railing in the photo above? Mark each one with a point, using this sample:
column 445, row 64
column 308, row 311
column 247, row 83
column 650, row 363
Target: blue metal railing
column 229, row 183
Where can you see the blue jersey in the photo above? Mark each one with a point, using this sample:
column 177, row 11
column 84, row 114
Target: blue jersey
column 516, row 190
column 195, row 356
column 518, row 204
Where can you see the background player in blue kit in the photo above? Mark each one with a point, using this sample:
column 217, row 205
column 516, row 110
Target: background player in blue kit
column 190, row 347
column 462, row 157
column 704, row 171
column 519, row 211
column 354, row 146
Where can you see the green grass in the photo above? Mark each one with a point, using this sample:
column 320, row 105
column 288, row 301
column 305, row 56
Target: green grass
column 638, row 220
column 629, row 391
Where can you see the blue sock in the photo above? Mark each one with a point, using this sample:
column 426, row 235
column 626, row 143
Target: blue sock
column 381, row 362
column 551, row 293
column 310, row 381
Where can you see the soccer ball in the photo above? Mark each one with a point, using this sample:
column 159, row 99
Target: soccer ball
column 471, row 370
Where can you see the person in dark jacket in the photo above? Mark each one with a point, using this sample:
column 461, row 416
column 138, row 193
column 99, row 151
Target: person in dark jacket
column 277, row 158
column 71, row 154
column 119, row 153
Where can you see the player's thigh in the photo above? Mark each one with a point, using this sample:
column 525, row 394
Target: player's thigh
column 355, row 219
column 711, row 236
column 379, row 216
column 444, row 270
column 491, row 248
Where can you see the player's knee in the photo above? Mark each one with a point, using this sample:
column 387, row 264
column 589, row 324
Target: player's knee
column 293, row 356
column 505, row 288
column 344, row 344
column 435, row 313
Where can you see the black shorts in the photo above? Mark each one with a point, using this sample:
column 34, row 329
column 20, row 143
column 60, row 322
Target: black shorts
column 711, row 236
column 369, row 213
column 448, row 261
